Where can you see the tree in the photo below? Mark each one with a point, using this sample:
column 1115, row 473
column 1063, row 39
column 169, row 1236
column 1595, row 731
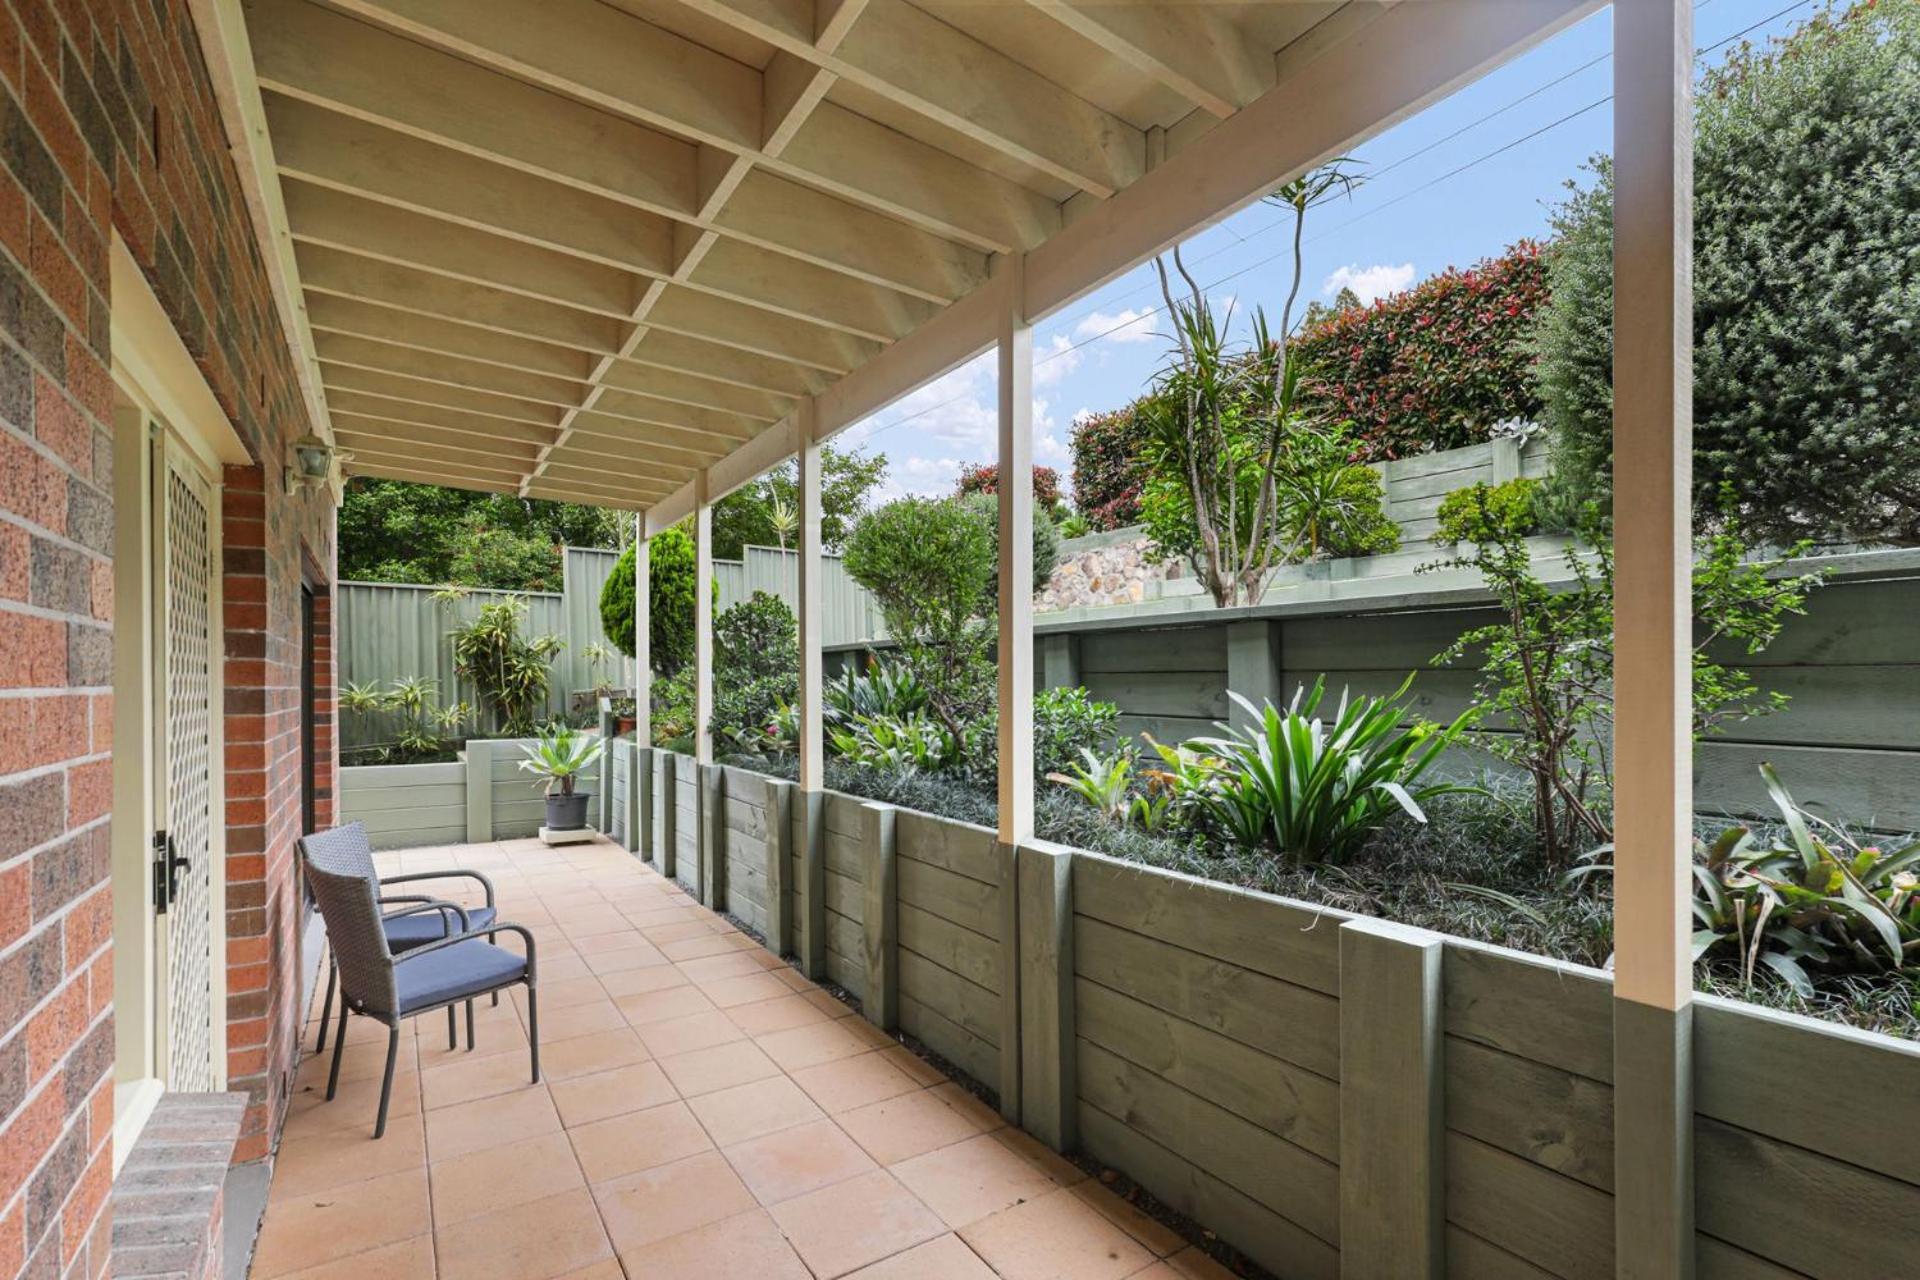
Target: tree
column 1221, row 420
column 984, row 477
column 1806, row 285
column 930, row 564
column 985, row 507
column 398, row 531
column 1109, row 466
column 751, row 515
column 670, row 601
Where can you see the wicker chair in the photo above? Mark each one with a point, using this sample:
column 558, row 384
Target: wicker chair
column 376, row 983
column 421, row 920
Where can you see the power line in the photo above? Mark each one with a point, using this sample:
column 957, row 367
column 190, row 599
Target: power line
column 1426, row 149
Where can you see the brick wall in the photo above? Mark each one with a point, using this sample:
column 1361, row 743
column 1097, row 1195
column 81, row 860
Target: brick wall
column 108, row 120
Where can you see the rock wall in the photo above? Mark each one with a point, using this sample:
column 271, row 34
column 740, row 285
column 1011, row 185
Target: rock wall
column 1103, row 568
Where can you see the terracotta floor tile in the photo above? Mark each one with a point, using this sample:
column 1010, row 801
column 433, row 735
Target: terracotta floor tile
column 1063, row 1171
column 792, row 1162
column 656, row 1204
column 644, row 955
column 555, row 996
column 828, row 1003
column 1056, row 1237
column 407, row 1260
column 968, row 1104
column 746, row 989
column 336, row 1157
column 679, row 931
column 302, row 1231
column 747, row 1247
column 580, row 1020
column 844, row 1227
column 500, row 1177
column 720, row 1067
column 900, row 1128
column 749, row 1110
column 353, row 1108
column 664, row 1005
column 606, row 1269
column 684, row 1035
column 584, row 1055
column 485, row 1122
column 1159, row 1239
column 795, row 980
column 809, row 1046
column 966, row 1181
column 946, row 1258
column 362, row 1058
column 912, row 1065
column 846, row 1083
column 467, row 1079
column 781, row 1014
column 718, row 968
column 633, row 982
column 584, row 1099
column 538, row 1240
column 637, row 1141
column 1188, row 1264
column 693, row 947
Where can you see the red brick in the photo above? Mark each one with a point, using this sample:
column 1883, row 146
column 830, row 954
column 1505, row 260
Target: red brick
column 33, row 652
column 89, row 791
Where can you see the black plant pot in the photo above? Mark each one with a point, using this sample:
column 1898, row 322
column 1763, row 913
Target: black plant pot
column 567, row 813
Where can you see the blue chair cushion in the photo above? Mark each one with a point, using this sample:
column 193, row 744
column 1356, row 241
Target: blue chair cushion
column 468, row 968
column 429, row 926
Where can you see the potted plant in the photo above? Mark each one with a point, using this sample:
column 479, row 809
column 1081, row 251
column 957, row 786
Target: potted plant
column 625, row 717
column 560, row 755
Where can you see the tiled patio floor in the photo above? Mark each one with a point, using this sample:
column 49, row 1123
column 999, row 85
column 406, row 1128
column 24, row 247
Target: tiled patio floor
column 705, row 1112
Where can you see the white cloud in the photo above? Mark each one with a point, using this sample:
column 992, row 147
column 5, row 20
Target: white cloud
column 1369, row 283
column 1131, row 324
column 1055, row 360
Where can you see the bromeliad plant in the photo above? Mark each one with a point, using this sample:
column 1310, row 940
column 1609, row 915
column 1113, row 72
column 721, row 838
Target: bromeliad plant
column 1312, row 789
column 561, row 755
column 1805, row 902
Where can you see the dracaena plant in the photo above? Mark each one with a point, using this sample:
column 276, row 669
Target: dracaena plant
column 1312, row 788
column 1814, row 901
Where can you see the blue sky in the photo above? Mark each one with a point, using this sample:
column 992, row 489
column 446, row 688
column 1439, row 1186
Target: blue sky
column 1454, row 184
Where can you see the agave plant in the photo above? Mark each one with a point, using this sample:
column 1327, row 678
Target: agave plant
column 1312, row 789
column 561, row 755
column 1808, row 901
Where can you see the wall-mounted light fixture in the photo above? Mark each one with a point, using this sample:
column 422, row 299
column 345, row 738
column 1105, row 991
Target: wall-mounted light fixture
column 314, row 462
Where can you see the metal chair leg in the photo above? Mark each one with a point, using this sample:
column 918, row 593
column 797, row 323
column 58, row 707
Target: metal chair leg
column 469, row 1026
column 533, row 1031
column 386, row 1083
column 339, row 1047
column 493, row 938
column 326, row 1006
column 453, row 1029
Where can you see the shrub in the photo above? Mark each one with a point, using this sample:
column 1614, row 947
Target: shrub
column 985, row 507
column 756, row 668
column 984, row 477
column 1436, row 366
column 1109, row 469
column 1806, row 269
column 930, row 564
column 670, row 613
column 510, row 672
column 1312, row 790
column 1068, row 721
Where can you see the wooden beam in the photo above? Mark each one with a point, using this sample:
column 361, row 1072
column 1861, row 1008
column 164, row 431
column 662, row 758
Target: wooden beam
column 352, row 405
column 1015, row 655
column 658, row 349
column 399, row 387
column 589, row 51
column 1653, row 642
column 360, row 318
column 1196, row 51
column 744, row 328
column 351, row 351
column 697, row 390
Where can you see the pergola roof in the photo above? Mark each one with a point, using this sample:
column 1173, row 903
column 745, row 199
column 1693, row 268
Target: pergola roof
column 588, row 250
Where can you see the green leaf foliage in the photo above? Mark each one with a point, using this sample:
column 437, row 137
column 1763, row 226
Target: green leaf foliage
column 1806, row 275
column 1109, row 467
column 398, row 531
column 670, row 609
column 752, row 515
column 510, row 671
column 756, row 669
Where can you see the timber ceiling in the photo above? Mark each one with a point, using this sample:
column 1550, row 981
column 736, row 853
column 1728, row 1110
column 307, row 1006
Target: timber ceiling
column 581, row 250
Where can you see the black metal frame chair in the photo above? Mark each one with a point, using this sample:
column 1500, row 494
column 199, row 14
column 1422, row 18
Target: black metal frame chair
column 348, row 846
column 377, row 983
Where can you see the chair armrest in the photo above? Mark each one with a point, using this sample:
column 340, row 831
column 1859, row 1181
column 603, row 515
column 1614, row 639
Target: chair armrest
column 434, row 904
column 449, row 874
column 484, row 934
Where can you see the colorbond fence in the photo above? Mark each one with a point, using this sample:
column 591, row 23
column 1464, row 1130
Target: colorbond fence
column 1330, row 1094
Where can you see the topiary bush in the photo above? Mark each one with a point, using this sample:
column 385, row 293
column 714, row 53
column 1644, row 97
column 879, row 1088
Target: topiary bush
column 1806, row 279
column 1436, row 366
column 670, row 616
column 1109, row 467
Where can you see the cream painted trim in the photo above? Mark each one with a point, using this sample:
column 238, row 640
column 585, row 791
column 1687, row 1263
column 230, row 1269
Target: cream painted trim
column 152, row 365
column 133, row 1104
column 225, row 48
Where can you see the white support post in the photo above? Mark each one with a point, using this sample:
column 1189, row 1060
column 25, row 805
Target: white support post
column 702, row 621
column 642, row 635
column 1653, row 747
column 1016, row 554
column 807, row 456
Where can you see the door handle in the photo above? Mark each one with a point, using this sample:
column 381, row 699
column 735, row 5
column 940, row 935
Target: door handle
column 176, row 863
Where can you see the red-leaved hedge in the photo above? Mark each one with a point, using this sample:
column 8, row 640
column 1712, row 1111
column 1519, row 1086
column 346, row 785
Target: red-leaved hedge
column 984, row 477
column 1436, row 366
column 1107, row 470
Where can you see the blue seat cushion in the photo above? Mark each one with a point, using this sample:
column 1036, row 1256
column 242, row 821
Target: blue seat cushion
column 463, row 969
column 428, row 926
